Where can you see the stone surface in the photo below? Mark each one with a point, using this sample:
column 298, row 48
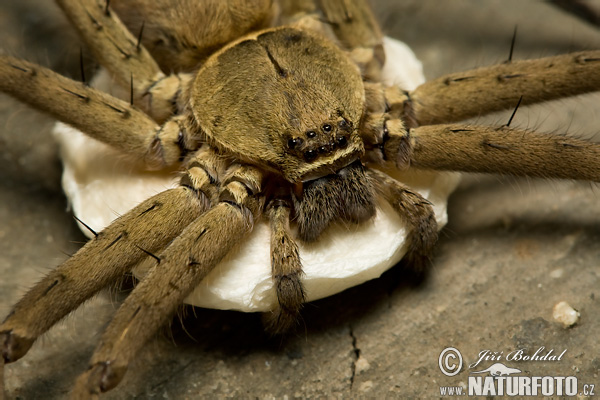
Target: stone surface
column 493, row 285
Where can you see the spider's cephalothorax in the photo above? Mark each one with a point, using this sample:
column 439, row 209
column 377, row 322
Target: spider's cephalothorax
column 289, row 123
column 278, row 88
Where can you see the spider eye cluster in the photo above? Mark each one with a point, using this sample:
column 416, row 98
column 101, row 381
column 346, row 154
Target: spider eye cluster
column 325, row 140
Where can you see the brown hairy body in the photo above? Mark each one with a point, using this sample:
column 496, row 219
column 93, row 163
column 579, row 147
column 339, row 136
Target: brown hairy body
column 237, row 177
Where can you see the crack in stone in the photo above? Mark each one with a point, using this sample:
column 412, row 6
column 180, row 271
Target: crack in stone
column 356, row 355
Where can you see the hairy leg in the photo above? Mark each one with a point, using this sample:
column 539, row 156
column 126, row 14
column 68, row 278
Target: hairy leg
column 111, row 42
column 481, row 91
column 181, row 34
column 179, row 269
column 286, row 269
column 416, row 211
column 358, row 32
column 143, row 231
column 102, row 261
column 469, row 94
column 504, row 150
column 101, row 116
column 115, row 47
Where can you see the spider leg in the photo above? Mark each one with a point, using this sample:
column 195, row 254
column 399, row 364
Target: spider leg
column 179, row 269
column 386, row 141
column 145, row 230
column 123, row 54
column 504, row 150
column 416, row 211
column 470, row 148
column 469, row 94
column 103, row 260
column 358, row 32
column 111, row 42
column 182, row 37
column 101, row 116
column 286, row 269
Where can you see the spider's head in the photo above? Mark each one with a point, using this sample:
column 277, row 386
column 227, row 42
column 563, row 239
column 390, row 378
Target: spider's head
column 283, row 99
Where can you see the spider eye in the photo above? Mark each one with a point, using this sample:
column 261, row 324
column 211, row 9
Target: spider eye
column 341, row 141
column 343, row 124
column 310, row 155
column 293, row 142
column 327, row 128
column 311, row 134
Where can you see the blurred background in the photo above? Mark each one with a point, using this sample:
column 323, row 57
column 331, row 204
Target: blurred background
column 512, row 250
